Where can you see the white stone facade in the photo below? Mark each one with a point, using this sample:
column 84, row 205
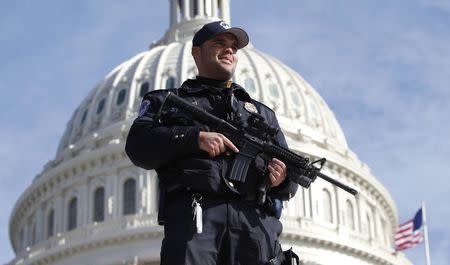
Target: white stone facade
column 324, row 224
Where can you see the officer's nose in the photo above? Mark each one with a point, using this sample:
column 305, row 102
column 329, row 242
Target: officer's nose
column 229, row 50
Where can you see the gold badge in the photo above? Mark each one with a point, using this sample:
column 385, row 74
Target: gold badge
column 250, row 107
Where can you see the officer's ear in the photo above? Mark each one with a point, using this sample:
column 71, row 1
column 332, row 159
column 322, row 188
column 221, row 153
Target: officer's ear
column 195, row 52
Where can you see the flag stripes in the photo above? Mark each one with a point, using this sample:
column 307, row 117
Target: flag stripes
column 409, row 233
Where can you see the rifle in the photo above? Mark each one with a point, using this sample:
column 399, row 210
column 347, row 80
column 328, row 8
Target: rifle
column 300, row 169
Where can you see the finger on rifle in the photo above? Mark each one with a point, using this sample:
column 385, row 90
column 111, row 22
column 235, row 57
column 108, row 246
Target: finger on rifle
column 230, row 144
column 273, row 180
column 277, row 168
column 273, row 171
column 279, row 163
column 221, row 145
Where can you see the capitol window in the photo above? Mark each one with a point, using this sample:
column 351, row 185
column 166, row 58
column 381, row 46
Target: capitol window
column 350, row 215
column 129, row 197
column 100, row 106
column 273, row 88
column 143, row 89
column 249, row 85
column 295, row 98
column 72, row 215
column 83, row 118
column 121, row 97
column 327, row 208
column 50, row 223
column 170, row 82
column 99, row 205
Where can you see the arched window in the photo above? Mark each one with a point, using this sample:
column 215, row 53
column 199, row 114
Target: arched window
column 249, row 85
column 295, row 98
column 350, row 215
column 121, row 97
column 50, row 223
column 83, row 118
column 101, row 106
column 273, row 89
column 129, row 197
column 99, row 205
column 327, row 209
column 170, row 82
column 72, row 214
column 144, row 89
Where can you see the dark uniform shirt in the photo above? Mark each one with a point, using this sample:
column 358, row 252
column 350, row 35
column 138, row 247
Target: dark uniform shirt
column 167, row 141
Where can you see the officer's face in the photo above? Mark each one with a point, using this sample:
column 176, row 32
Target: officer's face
column 217, row 58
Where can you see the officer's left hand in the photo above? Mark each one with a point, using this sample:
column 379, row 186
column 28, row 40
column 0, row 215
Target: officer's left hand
column 277, row 171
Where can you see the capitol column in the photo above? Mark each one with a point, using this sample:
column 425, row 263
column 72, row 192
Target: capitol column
column 59, row 214
column 154, row 192
column 84, row 208
column 215, row 12
column 113, row 199
column 208, row 7
column 225, row 10
column 201, row 8
column 174, row 9
column 142, row 194
column 40, row 224
column 186, row 9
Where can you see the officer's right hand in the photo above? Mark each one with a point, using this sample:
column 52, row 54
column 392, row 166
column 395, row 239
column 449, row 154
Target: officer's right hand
column 215, row 143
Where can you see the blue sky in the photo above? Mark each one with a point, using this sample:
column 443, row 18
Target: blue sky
column 382, row 66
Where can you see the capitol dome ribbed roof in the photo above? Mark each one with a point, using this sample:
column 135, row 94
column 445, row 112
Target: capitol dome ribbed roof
column 168, row 63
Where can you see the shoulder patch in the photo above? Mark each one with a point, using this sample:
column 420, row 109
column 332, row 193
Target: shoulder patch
column 145, row 105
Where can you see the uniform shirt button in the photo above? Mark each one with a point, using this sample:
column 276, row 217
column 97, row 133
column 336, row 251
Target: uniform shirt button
column 231, row 184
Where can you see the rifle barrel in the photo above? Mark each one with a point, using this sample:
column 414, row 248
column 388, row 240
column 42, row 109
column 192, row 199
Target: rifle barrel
column 337, row 183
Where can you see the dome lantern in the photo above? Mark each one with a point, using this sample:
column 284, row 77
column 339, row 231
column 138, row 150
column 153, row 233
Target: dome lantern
column 188, row 15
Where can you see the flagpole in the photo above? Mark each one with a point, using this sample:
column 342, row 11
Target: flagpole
column 425, row 231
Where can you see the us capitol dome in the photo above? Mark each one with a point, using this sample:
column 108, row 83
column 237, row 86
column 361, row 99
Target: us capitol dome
column 90, row 205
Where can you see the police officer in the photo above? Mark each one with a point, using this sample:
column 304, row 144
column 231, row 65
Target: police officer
column 207, row 218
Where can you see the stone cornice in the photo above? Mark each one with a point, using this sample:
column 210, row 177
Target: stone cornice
column 88, row 238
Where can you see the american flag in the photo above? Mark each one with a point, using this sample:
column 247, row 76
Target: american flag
column 409, row 233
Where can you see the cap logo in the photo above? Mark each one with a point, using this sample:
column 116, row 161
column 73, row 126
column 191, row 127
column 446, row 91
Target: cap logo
column 225, row 25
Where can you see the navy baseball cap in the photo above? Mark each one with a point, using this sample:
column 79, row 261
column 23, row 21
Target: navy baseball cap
column 212, row 29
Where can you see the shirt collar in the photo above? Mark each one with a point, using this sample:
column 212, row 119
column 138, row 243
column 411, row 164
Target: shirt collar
column 202, row 84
